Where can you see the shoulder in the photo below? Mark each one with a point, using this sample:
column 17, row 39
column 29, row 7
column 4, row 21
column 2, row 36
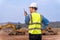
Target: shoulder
column 38, row 13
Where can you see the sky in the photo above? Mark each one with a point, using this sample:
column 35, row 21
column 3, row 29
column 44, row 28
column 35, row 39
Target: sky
column 13, row 10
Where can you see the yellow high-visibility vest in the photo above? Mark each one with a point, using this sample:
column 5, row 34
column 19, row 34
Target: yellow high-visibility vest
column 35, row 23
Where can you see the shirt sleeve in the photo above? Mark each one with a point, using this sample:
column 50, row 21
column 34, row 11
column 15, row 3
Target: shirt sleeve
column 45, row 22
column 27, row 19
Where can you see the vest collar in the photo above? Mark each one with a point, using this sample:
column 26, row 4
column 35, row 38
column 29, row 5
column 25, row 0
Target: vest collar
column 34, row 12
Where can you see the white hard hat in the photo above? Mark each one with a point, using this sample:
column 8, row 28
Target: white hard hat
column 33, row 5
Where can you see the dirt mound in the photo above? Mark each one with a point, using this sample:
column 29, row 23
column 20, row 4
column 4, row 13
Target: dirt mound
column 4, row 36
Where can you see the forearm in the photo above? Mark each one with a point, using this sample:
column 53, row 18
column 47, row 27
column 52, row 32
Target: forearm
column 27, row 19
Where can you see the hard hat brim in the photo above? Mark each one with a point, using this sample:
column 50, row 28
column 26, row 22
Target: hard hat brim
column 32, row 7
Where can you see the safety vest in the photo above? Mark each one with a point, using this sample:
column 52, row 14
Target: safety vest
column 35, row 23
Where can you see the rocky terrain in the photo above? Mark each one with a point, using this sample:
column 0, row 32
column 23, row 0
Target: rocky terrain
column 5, row 36
column 55, row 25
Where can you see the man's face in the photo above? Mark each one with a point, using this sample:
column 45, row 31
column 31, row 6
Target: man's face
column 31, row 9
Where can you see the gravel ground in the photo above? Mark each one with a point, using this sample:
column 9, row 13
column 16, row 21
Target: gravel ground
column 25, row 37
column 4, row 36
column 51, row 37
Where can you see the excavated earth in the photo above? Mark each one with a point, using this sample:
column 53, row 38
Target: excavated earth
column 5, row 36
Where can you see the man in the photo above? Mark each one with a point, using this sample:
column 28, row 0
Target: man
column 34, row 22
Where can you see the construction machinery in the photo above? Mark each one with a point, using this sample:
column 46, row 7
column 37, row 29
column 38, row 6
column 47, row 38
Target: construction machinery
column 49, row 31
column 12, row 30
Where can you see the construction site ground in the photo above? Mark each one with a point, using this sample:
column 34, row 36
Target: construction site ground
column 5, row 36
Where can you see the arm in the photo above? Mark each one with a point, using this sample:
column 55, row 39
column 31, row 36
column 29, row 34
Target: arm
column 27, row 19
column 45, row 22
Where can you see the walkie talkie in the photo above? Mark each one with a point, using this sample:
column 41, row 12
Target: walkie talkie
column 25, row 13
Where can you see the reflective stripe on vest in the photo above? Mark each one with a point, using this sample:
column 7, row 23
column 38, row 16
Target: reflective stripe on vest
column 35, row 23
column 35, row 29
